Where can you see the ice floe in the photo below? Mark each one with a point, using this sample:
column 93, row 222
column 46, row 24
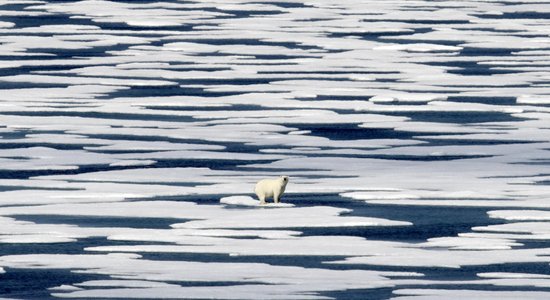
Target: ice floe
column 404, row 294
column 249, row 201
column 139, row 127
column 261, row 280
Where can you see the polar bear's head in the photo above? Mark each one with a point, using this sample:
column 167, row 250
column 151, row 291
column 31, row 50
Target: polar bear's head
column 284, row 179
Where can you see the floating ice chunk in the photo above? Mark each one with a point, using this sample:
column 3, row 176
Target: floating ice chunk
column 157, row 22
column 306, row 148
column 361, row 78
column 535, row 228
column 71, row 28
column 289, row 218
column 265, row 234
column 152, row 175
column 298, row 245
column 407, row 97
column 469, row 243
column 456, row 294
column 127, row 163
column 520, row 215
column 205, row 216
column 458, row 203
column 255, row 280
column 44, row 79
column 6, row 24
column 38, row 238
column 57, row 139
column 502, row 235
column 534, row 99
column 65, row 288
column 149, row 146
column 403, row 256
column 379, row 194
column 249, row 201
column 421, row 47
column 493, row 13
column 511, row 275
column 123, row 283
column 382, row 99
column 299, row 132
column 208, row 238
column 233, row 292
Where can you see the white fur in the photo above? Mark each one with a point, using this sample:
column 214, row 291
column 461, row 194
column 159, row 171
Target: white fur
column 267, row 188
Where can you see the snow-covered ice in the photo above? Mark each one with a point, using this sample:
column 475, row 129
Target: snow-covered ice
column 415, row 134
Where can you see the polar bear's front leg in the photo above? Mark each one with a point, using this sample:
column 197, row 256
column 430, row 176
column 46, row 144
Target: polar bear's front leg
column 276, row 197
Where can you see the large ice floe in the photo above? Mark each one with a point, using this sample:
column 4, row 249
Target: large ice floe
column 415, row 134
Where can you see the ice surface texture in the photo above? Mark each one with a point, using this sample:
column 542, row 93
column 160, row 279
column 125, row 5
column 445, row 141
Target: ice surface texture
column 416, row 135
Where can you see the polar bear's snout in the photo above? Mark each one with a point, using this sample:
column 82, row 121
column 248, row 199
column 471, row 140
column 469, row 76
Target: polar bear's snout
column 268, row 188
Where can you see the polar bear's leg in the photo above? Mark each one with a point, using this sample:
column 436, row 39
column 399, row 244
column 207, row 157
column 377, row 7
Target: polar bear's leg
column 276, row 197
column 262, row 198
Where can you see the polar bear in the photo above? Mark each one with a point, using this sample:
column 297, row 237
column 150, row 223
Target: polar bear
column 271, row 188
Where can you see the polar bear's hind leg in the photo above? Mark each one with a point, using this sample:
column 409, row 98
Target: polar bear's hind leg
column 261, row 197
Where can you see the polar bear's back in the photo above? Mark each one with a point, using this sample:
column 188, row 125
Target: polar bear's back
column 266, row 187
